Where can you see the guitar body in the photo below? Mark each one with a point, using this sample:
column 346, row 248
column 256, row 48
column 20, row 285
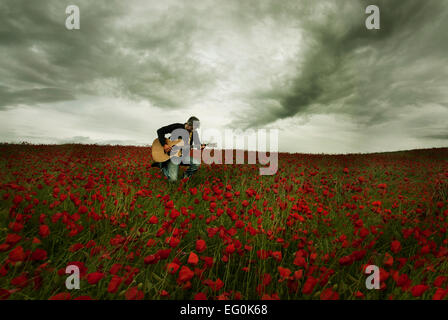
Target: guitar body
column 158, row 153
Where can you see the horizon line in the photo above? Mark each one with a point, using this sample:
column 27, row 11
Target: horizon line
column 150, row 145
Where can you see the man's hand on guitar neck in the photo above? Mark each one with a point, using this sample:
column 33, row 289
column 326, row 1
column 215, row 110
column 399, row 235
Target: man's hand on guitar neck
column 167, row 148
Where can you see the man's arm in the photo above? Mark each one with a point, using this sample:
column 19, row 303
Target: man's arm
column 166, row 130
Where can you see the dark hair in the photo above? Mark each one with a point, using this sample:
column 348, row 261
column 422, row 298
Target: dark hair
column 191, row 120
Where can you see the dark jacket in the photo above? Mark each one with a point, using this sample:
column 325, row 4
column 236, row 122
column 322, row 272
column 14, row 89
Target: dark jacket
column 194, row 142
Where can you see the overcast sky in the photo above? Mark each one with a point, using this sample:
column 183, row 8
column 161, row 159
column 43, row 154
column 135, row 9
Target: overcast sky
column 309, row 68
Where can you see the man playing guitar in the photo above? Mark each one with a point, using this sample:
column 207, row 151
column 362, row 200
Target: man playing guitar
column 170, row 168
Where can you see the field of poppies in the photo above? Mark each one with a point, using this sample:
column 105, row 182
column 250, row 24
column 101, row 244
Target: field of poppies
column 307, row 232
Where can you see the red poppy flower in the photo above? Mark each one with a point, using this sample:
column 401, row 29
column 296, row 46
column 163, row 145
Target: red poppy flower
column 114, row 284
column 134, row 294
column 388, row 260
column 172, row 267
column 284, row 272
column 217, row 285
column 208, row 261
column 193, row 258
column 15, row 226
column 83, row 209
column 364, row 232
column 329, row 294
column 173, row 242
column 200, row 245
column 61, row 296
column 80, row 265
column 298, row 274
column 439, row 281
column 115, row 268
column 277, row 255
column 300, row 261
column 200, row 296
column 395, row 246
column 4, row 294
column 403, row 281
column 230, row 249
column 12, row 238
column 263, row 254
column 94, row 277
column 151, row 243
column 273, row 296
column 20, row 281
column 174, row 214
column 39, row 255
column 163, row 253
column 214, row 285
column 419, row 289
column 75, row 247
column 440, row 294
column 266, row 279
column 17, row 254
column 309, row 285
column 44, row 231
column 185, row 274
column 83, row 298
column 151, row 259
column 169, row 204
column 345, row 261
column 164, row 293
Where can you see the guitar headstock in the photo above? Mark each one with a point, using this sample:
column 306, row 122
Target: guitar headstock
column 211, row 145
column 203, row 145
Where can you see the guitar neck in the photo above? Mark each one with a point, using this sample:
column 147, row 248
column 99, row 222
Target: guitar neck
column 213, row 145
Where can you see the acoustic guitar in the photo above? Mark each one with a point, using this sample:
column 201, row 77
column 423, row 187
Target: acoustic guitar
column 159, row 154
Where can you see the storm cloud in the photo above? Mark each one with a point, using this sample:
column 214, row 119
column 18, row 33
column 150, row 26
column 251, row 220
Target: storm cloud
column 141, row 58
column 370, row 75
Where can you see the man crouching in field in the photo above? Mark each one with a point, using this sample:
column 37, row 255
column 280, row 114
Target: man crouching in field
column 170, row 168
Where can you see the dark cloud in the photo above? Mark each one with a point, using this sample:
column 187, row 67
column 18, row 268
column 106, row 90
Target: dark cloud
column 147, row 59
column 368, row 74
column 44, row 95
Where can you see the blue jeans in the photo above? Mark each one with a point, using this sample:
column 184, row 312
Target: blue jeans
column 171, row 170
